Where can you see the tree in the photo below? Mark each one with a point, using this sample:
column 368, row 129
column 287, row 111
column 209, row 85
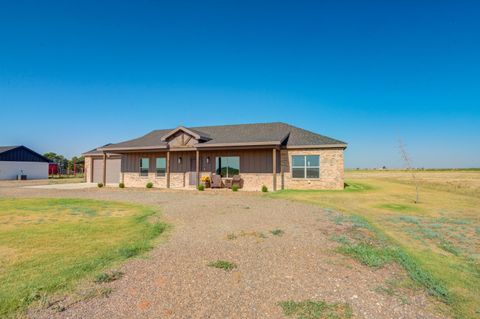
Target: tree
column 408, row 163
column 60, row 160
column 76, row 163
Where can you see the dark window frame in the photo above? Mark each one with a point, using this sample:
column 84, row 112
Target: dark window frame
column 143, row 171
column 305, row 167
column 157, row 169
column 218, row 166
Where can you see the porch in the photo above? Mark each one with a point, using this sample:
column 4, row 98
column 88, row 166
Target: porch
column 183, row 169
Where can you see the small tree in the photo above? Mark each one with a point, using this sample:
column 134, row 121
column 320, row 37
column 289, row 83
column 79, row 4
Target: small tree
column 408, row 163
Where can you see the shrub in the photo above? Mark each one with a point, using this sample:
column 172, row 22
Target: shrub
column 100, row 185
column 234, row 188
column 149, row 185
column 201, row 187
column 121, row 185
column 264, row 189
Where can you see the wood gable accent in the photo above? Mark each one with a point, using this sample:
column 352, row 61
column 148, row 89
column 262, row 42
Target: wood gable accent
column 181, row 140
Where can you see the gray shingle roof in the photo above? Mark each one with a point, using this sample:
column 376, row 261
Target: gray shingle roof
column 274, row 133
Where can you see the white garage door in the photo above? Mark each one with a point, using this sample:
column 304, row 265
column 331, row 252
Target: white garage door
column 113, row 170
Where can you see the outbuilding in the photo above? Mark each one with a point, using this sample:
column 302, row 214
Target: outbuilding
column 21, row 162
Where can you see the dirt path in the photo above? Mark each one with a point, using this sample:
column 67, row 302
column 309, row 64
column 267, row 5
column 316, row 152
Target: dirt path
column 174, row 281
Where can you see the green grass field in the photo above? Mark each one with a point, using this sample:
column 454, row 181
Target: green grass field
column 438, row 239
column 48, row 245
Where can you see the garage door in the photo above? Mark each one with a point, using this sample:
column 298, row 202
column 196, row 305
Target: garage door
column 113, row 170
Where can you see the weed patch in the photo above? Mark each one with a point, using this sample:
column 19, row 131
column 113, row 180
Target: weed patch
column 231, row 236
column 108, row 276
column 311, row 309
column 277, row 232
column 369, row 254
column 400, row 207
column 223, row 264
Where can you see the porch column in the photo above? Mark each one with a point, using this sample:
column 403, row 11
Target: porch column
column 168, row 169
column 197, row 168
column 91, row 170
column 274, row 159
column 282, row 172
column 104, row 169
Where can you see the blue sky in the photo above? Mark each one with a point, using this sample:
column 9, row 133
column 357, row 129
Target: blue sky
column 78, row 74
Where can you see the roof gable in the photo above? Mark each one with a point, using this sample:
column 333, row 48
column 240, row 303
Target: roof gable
column 20, row 154
column 200, row 136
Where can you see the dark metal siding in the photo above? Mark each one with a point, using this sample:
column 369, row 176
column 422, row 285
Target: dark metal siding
column 21, row 154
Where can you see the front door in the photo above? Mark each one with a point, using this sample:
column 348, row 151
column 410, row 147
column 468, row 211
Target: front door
column 192, row 174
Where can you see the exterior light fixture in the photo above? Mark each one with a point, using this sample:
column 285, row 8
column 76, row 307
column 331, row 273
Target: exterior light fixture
column 179, row 160
column 208, row 159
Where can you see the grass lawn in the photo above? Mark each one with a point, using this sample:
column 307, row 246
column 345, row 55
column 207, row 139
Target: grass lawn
column 47, row 245
column 441, row 234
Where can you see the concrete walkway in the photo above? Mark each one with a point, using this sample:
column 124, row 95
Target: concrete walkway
column 64, row 186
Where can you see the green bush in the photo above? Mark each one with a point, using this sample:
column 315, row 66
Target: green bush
column 149, row 185
column 121, row 185
column 100, row 185
column 264, row 189
column 201, row 187
column 234, row 188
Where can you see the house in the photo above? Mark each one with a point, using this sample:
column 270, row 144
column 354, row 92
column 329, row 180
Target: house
column 16, row 161
column 277, row 155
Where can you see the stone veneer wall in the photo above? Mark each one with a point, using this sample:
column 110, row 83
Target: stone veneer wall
column 255, row 181
column 135, row 180
column 331, row 169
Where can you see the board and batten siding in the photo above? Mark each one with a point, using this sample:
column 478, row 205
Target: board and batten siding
column 251, row 161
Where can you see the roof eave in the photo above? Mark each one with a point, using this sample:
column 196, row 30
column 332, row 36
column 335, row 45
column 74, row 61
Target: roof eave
column 266, row 143
column 343, row 146
column 134, row 148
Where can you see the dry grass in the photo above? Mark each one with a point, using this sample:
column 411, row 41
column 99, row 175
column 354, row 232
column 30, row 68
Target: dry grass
column 441, row 232
column 47, row 245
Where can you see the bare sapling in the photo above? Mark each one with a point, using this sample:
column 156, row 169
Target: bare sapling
column 408, row 163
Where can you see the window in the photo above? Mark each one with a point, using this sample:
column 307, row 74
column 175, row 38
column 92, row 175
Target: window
column 227, row 166
column 144, row 163
column 306, row 166
column 161, row 166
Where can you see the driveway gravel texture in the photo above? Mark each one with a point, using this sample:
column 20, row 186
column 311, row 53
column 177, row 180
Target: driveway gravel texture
column 174, row 279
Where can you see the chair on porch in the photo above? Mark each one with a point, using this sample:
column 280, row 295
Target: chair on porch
column 216, row 181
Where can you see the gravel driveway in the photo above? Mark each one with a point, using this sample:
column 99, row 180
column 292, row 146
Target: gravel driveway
column 174, row 281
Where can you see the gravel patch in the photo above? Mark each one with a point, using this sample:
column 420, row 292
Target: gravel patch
column 175, row 281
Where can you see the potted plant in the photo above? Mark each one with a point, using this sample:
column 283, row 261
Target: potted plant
column 206, row 181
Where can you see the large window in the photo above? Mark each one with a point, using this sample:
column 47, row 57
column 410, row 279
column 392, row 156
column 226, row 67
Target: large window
column 227, row 166
column 306, row 166
column 144, row 163
column 161, row 166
